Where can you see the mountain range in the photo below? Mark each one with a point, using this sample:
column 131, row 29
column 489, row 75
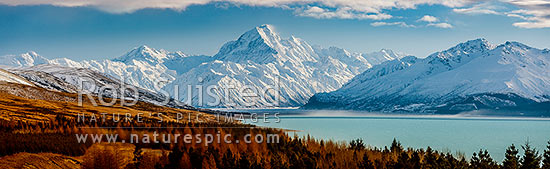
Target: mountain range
column 474, row 75
column 283, row 72
column 260, row 69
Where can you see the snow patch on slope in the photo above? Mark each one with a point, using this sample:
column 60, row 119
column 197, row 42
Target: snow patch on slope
column 12, row 78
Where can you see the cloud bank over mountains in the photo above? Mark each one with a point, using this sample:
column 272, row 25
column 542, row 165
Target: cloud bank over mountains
column 126, row 6
column 531, row 13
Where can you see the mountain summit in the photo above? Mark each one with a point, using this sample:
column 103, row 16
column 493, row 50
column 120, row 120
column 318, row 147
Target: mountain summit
column 262, row 59
column 263, row 45
column 23, row 60
column 257, row 44
column 143, row 53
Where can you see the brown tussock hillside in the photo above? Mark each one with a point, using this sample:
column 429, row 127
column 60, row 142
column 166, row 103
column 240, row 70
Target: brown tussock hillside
column 39, row 160
column 28, row 103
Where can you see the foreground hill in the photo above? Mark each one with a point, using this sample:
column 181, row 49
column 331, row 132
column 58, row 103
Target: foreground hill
column 74, row 80
column 42, row 93
column 6, row 76
column 474, row 75
column 20, row 102
column 36, row 122
column 40, row 160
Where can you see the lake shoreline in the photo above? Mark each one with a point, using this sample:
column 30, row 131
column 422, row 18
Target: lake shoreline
column 459, row 133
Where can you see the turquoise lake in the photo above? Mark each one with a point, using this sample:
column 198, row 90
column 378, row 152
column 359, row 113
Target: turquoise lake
column 444, row 133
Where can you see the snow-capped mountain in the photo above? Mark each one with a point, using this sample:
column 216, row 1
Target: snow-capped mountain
column 23, row 60
column 140, row 67
column 144, row 53
column 284, row 72
column 290, row 69
column 470, row 76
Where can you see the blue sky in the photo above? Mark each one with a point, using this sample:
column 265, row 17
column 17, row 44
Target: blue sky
column 100, row 31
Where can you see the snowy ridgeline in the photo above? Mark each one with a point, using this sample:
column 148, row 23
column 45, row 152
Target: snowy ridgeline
column 259, row 58
column 474, row 75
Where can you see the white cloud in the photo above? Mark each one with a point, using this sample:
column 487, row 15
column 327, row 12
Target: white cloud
column 127, row 6
column 534, row 13
column 315, row 9
column 401, row 24
column 474, row 11
column 482, row 8
column 432, row 22
column 529, row 25
column 428, row 18
column 517, row 16
column 441, row 25
column 113, row 6
column 341, row 13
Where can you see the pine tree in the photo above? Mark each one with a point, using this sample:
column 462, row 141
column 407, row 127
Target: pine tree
column 357, row 144
column 208, row 162
column 366, row 163
column 174, row 158
column 243, row 163
column 475, row 161
column 531, row 158
column 228, row 160
column 415, row 160
column 138, row 155
column 430, row 158
column 483, row 160
column 396, row 146
column 403, row 161
column 511, row 160
column 546, row 155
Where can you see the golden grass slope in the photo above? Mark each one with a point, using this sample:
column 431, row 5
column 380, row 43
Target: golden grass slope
column 40, row 160
column 28, row 103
